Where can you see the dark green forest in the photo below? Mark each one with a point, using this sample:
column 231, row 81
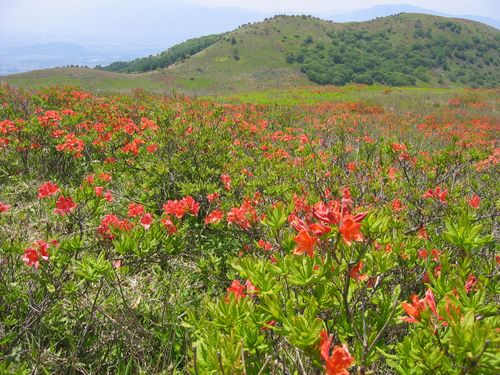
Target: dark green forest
column 174, row 54
column 447, row 50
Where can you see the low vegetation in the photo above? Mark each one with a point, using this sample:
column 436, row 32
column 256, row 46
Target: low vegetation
column 307, row 235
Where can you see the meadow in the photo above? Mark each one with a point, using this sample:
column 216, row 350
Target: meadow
column 315, row 230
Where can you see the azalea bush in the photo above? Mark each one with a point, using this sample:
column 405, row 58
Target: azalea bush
column 145, row 234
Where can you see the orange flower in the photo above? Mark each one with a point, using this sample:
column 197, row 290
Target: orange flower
column 236, row 289
column 354, row 273
column 350, row 230
column 474, row 201
column 64, row 205
column 470, row 283
column 169, row 225
column 212, row 197
column 147, row 220
column 47, row 189
column 328, row 215
column 437, row 193
column 339, row 361
column 226, row 181
column 397, row 205
column 135, row 209
column 305, row 243
column 413, row 310
column 418, row 305
column 214, row 217
column 319, row 229
column 4, row 207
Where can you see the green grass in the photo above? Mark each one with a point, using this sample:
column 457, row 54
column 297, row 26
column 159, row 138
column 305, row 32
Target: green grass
column 88, row 79
column 401, row 99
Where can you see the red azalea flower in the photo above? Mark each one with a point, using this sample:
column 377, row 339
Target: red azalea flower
column 42, row 248
column 226, row 181
column 319, row 229
column 422, row 233
column 350, row 230
column 250, row 288
column 243, row 216
column 212, row 197
column 47, row 189
column 64, row 205
column 339, row 361
column 99, row 191
column 30, row 257
column 146, row 220
column 179, row 208
column 4, row 207
column 328, row 215
column 436, row 193
column 397, row 205
column 422, row 254
column 135, row 209
column 264, row 245
column 418, row 305
column 339, row 214
column 297, row 223
column 191, row 205
column 108, row 196
column 90, row 179
column 474, row 201
column 351, row 167
column 354, row 273
column 32, row 254
column 430, row 301
column 236, row 289
column 152, row 148
column 470, row 283
column 169, row 225
column 305, row 243
column 105, row 176
column 214, row 217
column 413, row 310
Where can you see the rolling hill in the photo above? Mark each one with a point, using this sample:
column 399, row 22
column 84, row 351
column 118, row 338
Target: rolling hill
column 385, row 10
column 287, row 51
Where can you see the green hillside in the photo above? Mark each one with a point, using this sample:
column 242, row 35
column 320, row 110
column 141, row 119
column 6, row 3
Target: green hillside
column 402, row 50
column 174, row 54
column 291, row 51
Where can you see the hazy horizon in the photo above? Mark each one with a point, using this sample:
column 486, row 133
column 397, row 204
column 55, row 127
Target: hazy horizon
column 100, row 32
column 101, row 17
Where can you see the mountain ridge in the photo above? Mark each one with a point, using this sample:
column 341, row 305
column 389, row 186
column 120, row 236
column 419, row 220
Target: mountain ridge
column 400, row 50
column 385, row 10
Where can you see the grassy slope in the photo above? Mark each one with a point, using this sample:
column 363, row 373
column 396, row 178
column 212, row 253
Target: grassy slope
column 89, row 79
column 261, row 49
column 255, row 62
column 423, row 100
